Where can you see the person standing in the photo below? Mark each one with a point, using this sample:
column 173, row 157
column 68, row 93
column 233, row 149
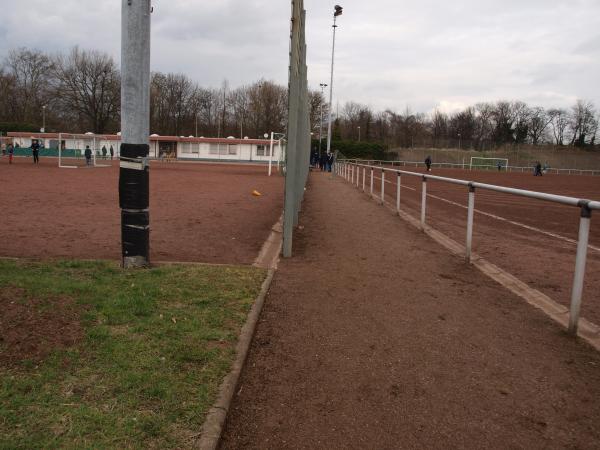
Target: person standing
column 112, row 152
column 88, row 155
column 35, row 150
column 428, row 163
column 11, row 151
column 329, row 161
column 538, row 170
column 499, row 166
column 104, row 152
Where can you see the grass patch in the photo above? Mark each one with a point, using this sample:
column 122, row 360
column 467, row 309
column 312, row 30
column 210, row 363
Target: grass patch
column 152, row 350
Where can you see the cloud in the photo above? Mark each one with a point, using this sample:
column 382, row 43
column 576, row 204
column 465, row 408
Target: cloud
column 389, row 54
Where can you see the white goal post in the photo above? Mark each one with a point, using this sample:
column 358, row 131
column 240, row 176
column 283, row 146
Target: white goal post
column 71, row 150
column 478, row 162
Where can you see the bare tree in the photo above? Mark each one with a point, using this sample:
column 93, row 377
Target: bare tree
column 583, row 124
column 87, row 85
column 30, row 72
column 439, row 126
column 538, row 123
column 559, row 120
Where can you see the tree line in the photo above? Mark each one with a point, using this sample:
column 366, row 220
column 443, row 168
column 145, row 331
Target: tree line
column 480, row 127
column 79, row 91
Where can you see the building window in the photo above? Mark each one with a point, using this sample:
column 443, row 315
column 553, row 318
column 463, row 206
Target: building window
column 232, row 149
column 213, row 149
column 262, row 150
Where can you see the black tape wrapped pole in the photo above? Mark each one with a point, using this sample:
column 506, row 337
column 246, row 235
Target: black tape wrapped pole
column 134, row 193
column 134, row 200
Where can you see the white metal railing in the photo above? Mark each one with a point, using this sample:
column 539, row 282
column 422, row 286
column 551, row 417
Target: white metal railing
column 350, row 170
column 466, row 166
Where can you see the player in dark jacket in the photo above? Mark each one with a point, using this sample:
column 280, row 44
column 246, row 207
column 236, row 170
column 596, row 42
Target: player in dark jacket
column 35, row 150
column 88, row 155
column 428, row 163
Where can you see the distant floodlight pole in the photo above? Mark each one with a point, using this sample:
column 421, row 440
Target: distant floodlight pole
column 43, row 118
column 337, row 12
column 358, row 134
column 323, row 85
column 134, row 178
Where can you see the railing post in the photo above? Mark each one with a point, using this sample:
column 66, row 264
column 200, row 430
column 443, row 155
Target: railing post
column 582, row 244
column 364, row 176
column 352, row 174
column 382, row 187
column 423, row 201
column 470, row 214
column 371, row 181
column 398, row 181
column 357, row 176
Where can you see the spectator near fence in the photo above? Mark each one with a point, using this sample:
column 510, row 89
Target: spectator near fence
column 112, row 152
column 11, row 151
column 329, row 161
column 104, row 152
column 428, row 163
column 323, row 161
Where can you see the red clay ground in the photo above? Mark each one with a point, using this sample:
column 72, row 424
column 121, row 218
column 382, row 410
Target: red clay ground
column 543, row 262
column 373, row 336
column 198, row 212
column 31, row 329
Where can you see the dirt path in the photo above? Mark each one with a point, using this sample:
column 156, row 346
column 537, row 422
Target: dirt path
column 375, row 337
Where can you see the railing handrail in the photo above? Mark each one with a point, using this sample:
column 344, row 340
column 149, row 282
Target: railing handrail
column 563, row 199
column 421, row 163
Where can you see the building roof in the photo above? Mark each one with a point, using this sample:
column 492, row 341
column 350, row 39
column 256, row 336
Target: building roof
column 114, row 137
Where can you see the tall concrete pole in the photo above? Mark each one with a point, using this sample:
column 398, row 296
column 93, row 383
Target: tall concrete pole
column 134, row 197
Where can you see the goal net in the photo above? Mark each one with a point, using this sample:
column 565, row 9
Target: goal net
column 481, row 163
column 72, row 149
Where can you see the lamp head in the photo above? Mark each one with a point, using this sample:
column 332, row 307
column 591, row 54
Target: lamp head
column 337, row 10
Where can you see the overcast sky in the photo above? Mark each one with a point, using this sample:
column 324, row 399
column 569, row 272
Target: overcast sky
column 389, row 53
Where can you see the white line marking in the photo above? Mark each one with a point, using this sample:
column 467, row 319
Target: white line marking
column 502, row 219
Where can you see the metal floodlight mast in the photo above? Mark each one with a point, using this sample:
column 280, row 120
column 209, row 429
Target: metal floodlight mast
column 337, row 12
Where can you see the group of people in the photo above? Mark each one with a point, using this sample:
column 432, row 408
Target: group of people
column 323, row 161
column 104, row 152
column 35, row 152
column 88, row 154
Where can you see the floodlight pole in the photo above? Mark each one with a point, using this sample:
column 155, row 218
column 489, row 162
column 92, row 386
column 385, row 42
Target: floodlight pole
column 337, row 13
column 271, row 153
column 134, row 197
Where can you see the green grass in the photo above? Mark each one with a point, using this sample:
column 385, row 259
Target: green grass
column 156, row 346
